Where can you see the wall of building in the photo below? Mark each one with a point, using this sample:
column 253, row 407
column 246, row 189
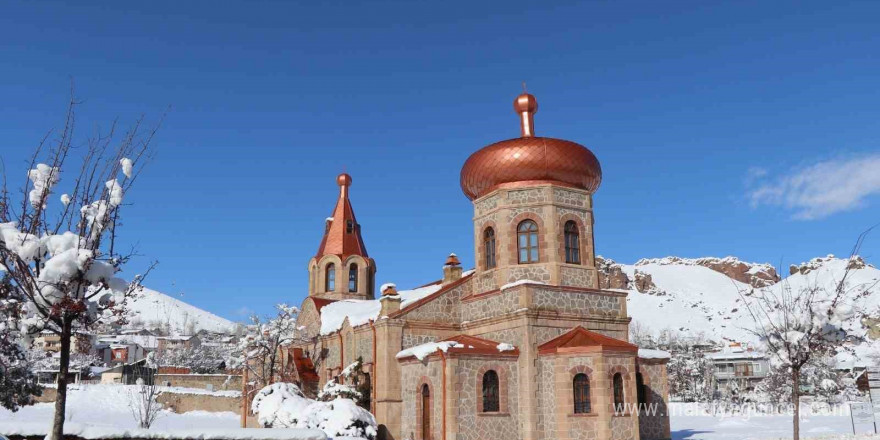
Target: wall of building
column 201, row 381
column 474, row 425
column 182, row 402
column 413, row 375
column 654, row 423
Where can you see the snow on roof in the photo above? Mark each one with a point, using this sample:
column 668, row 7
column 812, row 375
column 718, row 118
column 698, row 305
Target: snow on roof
column 653, row 354
column 519, row 283
column 424, row 350
column 360, row 312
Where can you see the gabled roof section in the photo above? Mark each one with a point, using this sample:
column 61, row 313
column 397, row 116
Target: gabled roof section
column 321, row 302
column 581, row 340
column 342, row 236
column 460, row 345
column 305, row 368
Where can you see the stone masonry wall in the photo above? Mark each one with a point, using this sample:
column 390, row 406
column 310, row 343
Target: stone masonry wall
column 445, row 308
column 482, row 426
column 577, row 276
column 492, row 305
column 201, row 381
column 579, row 303
column 413, row 375
column 546, row 420
column 364, row 348
column 654, row 423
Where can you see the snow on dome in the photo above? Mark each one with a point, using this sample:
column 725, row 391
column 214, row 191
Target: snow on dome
column 386, row 286
column 360, row 312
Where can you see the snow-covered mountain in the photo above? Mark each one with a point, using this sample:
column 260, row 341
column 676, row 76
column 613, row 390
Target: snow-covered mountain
column 698, row 296
column 155, row 309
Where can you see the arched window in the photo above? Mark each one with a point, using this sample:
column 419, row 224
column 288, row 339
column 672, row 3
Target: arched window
column 353, row 278
column 491, row 396
column 641, row 391
column 489, row 247
column 581, row 388
column 572, row 243
column 330, row 278
column 617, row 384
column 527, row 241
column 426, row 412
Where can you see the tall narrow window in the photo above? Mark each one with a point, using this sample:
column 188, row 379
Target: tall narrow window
column 491, row 397
column 581, row 388
column 426, row 412
column 353, row 278
column 527, row 241
column 330, row 278
column 572, row 243
column 349, row 226
column 617, row 384
column 489, row 247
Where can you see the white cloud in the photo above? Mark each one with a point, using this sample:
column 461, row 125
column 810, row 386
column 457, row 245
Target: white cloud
column 821, row 189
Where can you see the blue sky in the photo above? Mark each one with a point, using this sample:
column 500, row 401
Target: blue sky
column 723, row 128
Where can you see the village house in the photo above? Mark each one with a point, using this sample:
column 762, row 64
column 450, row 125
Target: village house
column 738, row 369
column 81, row 342
column 524, row 346
column 184, row 342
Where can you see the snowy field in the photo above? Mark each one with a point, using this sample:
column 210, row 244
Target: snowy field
column 107, row 406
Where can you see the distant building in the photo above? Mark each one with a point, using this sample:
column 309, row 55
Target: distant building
column 177, row 342
column 81, row 342
column 738, row 369
column 117, row 353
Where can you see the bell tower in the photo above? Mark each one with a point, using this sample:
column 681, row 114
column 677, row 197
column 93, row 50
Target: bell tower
column 342, row 269
column 533, row 208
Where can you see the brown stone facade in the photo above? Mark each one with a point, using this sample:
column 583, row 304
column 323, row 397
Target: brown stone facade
column 441, row 396
column 550, row 207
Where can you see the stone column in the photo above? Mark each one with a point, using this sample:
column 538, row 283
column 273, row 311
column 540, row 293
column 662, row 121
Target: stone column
column 528, row 376
column 389, row 340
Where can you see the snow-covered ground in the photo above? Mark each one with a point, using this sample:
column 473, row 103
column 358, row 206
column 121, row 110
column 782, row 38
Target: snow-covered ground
column 107, row 406
column 687, row 423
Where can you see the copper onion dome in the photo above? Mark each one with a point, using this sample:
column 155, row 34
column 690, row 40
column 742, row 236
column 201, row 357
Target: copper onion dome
column 529, row 159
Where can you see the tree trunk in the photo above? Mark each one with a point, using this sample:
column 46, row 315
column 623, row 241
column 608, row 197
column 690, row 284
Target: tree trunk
column 795, row 400
column 61, row 397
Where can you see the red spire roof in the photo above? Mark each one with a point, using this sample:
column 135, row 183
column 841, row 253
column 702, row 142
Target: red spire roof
column 343, row 234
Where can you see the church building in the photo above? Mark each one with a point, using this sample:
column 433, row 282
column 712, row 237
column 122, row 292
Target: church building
column 524, row 346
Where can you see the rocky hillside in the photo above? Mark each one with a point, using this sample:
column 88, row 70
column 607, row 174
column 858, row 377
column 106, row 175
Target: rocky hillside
column 697, row 297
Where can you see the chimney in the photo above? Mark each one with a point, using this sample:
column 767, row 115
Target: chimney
column 390, row 300
column 451, row 270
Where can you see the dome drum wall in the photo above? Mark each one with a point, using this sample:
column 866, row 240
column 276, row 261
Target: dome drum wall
column 546, row 182
column 549, row 205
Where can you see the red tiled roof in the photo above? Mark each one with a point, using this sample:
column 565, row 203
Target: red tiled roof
column 305, row 368
column 321, row 302
column 580, row 339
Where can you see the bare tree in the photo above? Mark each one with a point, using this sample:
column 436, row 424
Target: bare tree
column 143, row 403
column 63, row 257
column 261, row 349
column 798, row 325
